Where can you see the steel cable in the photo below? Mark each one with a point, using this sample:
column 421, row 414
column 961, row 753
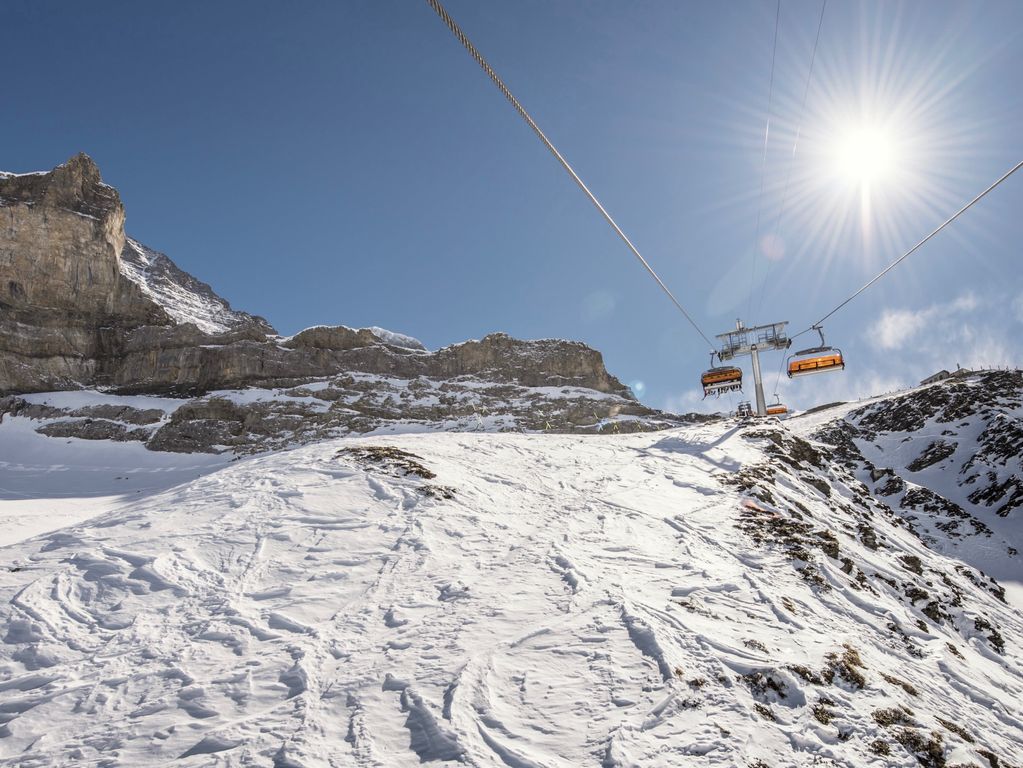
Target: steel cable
column 916, row 247
column 795, row 144
column 467, row 44
column 763, row 165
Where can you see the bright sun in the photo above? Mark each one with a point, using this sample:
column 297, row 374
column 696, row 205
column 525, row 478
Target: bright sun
column 865, row 155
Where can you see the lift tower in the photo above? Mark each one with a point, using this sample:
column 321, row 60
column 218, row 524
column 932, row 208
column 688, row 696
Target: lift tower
column 752, row 341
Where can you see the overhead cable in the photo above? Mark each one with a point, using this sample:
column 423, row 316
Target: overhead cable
column 792, row 157
column 763, row 161
column 912, row 250
column 464, row 40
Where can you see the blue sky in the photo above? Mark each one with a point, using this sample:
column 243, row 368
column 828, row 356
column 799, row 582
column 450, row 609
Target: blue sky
column 326, row 162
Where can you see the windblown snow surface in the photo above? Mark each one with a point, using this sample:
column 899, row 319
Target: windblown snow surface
column 683, row 598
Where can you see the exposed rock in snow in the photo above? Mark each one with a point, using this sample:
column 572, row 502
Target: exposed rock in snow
column 949, row 458
column 258, row 419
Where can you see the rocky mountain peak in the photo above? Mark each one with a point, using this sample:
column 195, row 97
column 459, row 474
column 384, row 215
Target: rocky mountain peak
column 75, row 185
column 60, row 245
column 85, row 306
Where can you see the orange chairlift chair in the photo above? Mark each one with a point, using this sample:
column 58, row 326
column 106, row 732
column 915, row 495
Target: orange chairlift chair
column 820, row 359
column 722, row 378
column 777, row 408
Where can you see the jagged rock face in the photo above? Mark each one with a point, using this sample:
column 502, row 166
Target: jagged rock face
column 87, row 306
column 63, row 299
column 60, row 244
column 548, row 362
column 79, row 298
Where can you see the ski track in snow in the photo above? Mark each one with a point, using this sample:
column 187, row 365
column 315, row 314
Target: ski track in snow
column 579, row 601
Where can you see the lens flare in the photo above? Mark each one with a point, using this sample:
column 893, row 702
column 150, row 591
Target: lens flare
column 865, row 155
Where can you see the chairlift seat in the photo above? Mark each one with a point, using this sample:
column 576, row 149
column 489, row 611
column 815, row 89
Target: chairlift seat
column 815, row 360
column 721, row 379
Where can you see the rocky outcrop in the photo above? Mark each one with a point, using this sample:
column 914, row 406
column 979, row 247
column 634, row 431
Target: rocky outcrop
column 62, row 295
column 61, row 235
column 947, row 458
column 84, row 305
column 77, row 296
column 346, row 404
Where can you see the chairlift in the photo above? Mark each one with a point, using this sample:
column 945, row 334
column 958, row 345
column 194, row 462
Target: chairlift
column 777, row 408
column 820, row 359
column 719, row 379
column 744, row 410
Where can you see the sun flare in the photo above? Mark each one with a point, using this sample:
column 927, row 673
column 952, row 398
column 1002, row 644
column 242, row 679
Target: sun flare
column 865, row 155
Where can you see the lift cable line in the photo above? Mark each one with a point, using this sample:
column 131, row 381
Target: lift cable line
column 456, row 30
column 777, row 379
column 792, row 157
column 763, row 160
column 907, row 254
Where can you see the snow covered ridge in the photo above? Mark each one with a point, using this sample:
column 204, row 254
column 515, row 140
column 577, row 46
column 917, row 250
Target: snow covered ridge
column 709, row 596
column 949, row 458
column 399, row 340
column 396, row 339
column 183, row 297
column 189, row 300
column 260, row 419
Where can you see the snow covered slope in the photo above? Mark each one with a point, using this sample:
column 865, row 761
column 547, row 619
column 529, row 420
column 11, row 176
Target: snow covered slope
column 709, row 596
column 49, row 482
column 949, row 458
column 183, row 297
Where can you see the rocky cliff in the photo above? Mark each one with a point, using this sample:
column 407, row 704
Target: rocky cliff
column 82, row 305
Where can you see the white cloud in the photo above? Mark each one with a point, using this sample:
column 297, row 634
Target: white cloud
column 988, row 352
column 896, row 327
column 692, row 400
column 968, row 302
column 963, row 331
